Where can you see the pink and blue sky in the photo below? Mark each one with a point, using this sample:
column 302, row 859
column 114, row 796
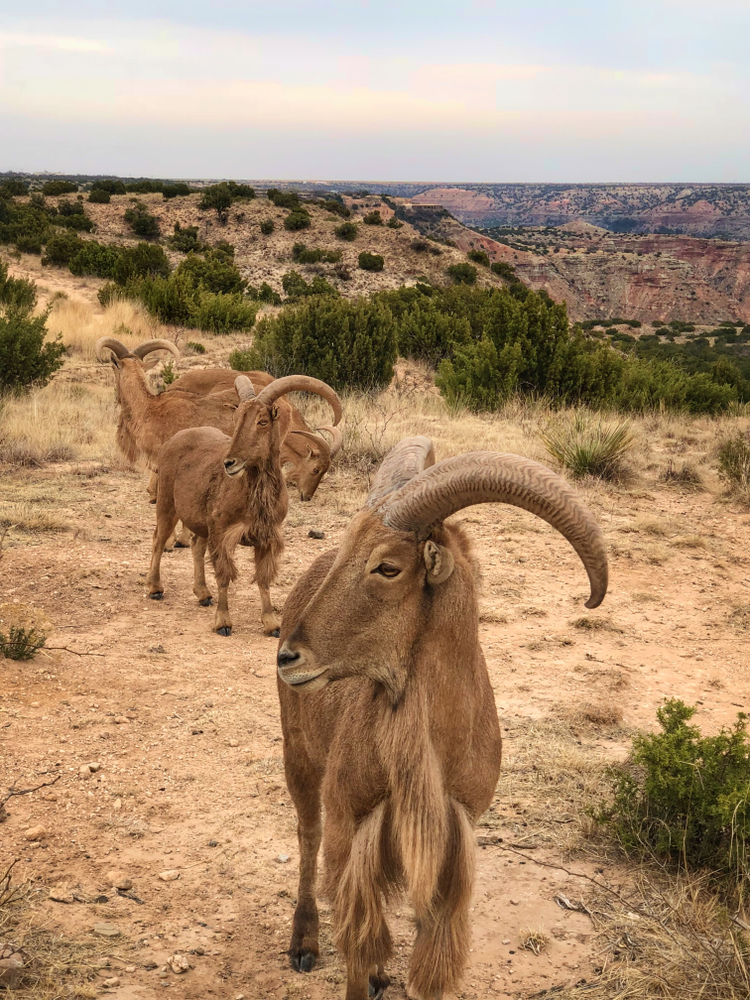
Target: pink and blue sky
column 482, row 90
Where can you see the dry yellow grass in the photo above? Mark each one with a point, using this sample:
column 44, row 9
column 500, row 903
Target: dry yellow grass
column 81, row 324
column 60, row 423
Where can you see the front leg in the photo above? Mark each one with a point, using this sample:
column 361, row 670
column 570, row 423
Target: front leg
column 265, row 573
column 200, row 589
column 222, row 618
column 162, row 531
column 303, row 948
column 357, row 886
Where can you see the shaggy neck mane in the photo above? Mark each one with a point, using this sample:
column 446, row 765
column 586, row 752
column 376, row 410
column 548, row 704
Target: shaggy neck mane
column 423, row 813
column 264, row 483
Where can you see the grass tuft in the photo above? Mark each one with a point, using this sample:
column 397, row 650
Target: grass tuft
column 589, row 445
column 534, row 940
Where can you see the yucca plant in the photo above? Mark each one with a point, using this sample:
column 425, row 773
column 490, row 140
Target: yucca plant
column 21, row 643
column 590, row 446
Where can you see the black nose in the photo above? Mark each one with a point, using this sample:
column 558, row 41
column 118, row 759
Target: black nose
column 285, row 657
column 228, row 463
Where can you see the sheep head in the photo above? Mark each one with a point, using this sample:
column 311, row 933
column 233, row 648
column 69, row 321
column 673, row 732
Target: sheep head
column 260, row 424
column 399, row 573
column 313, row 465
column 124, row 360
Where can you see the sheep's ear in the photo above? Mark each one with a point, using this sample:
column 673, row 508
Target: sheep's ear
column 148, row 365
column 439, row 562
column 275, row 413
column 231, row 406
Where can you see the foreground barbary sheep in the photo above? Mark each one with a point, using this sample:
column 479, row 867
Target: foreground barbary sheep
column 309, row 454
column 387, row 711
column 228, row 490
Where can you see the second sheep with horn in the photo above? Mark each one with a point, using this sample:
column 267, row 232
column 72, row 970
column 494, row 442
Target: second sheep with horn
column 229, row 490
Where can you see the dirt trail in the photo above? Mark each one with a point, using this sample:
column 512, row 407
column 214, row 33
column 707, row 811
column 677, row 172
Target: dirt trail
column 185, row 726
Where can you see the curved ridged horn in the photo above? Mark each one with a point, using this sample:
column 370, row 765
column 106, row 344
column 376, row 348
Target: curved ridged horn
column 318, row 440
column 155, row 345
column 338, row 438
column 244, row 388
column 301, row 383
column 111, row 344
column 410, row 456
column 491, row 477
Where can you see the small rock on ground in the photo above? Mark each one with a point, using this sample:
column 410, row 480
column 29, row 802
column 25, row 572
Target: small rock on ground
column 178, row 963
column 119, row 880
column 107, row 930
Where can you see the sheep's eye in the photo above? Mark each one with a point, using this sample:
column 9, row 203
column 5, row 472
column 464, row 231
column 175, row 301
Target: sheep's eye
column 387, row 570
column 262, row 423
column 316, row 472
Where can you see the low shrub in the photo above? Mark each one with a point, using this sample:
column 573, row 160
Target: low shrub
column 373, row 218
column 110, row 186
column 590, row 446
column 267, row 226
column 264, row 294
column 168, row 374
column 218, row 197
column 295, row 286
column 21, row 643
column 370, row 261
column 683, row 797
column 142, row 222
column 298, row 219
column 177, row 190
column 479, row 257
column 62, row 248
column 54, row 188
column 393, row 223
column 25, row 358
column 336, row 208
column 144, row 186
column 302, row 254
column 99, row 197
column 425, row 246
column 349, row 344
column 462, row 274
column 283, row 199
column 195, row 347
column 205, row 293
column 346, row 231
column 29, row 244
column 13, row 187
column 186, row 240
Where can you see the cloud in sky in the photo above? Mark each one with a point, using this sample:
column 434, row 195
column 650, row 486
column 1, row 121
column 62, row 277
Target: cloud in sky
column 486, row 92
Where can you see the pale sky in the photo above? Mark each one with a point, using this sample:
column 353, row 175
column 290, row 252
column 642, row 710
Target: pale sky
column 484, row 90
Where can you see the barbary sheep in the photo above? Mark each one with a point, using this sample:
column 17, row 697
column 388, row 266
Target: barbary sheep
column 228, row 490
column 387, row 712
column 146, row 421
column 309, row 454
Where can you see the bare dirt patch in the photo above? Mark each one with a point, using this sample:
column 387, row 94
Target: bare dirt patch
column 184, row 723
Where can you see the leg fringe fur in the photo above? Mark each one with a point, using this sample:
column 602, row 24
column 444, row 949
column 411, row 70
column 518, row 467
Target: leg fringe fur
column 362, row 934
column 442, row 943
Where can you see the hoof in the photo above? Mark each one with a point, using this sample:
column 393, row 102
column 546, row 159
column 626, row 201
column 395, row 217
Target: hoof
column 206, row 602
column 224, row 630
column 274, row 634
column 157, row 596
column 302, row 961
column 377, row 986
column 181, row 545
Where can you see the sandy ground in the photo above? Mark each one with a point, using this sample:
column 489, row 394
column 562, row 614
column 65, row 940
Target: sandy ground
column 185, row 726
